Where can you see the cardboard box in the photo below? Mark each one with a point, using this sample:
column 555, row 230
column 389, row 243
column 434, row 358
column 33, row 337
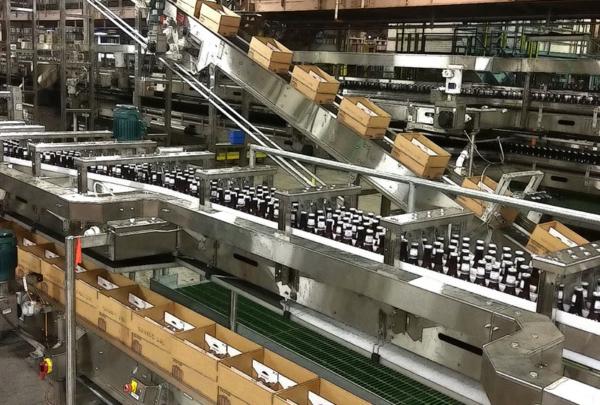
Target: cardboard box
column 198, row 382
column 31, row 257
column 114, row 304
column 53, row 291
column 303, row 393
column 364, row 117
column 239, row 376
column 544, row 240
column 507, row 214
column 190, row 7
column 115, row 329
column 219, row 19
column 226, row 397
column 421, row 162
column 193, row 349
column 315, row 84
column 155, row 325
column 87, row 288
column 270, row 54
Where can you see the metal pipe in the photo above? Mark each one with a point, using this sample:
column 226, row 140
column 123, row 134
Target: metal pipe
column 439, row 186
column 233, row 311
column 70, row 313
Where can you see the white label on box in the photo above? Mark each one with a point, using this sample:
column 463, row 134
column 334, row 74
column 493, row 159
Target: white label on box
column 264, row 373
column 484, row 187
column 562, row 237
column 138, row 302
column 424, row 148
column 177, row 323
column 286, row 382
column 366, row 109
column 314, row 399
column 315, row 76
column 107, row 285
column 135, row 396
column 27, row 242
column 79, row 269
column 50, row 255
column 220, row 348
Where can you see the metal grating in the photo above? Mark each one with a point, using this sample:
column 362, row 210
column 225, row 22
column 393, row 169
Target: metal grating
column 380, row 380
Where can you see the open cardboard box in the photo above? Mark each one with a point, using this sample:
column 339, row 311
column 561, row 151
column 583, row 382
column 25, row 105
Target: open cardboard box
column 198, row 349
column 315, row 83
column 478, row 207
column 553, row 236
column 158, row 325
column 420, row 155
column 87, row 286
column 270, row 54
column 314, row 392
column 194, row 360
column 246, row 376
column 219, row 19
column 30, row 257
column 364, row 117
column 115, row 308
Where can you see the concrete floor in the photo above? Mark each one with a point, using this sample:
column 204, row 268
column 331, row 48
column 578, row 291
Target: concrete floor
column 19, row 382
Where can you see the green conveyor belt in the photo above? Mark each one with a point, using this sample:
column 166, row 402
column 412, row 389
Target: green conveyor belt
column 380, row 380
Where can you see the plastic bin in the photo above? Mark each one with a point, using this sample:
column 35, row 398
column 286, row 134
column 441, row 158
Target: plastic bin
column 237, row 137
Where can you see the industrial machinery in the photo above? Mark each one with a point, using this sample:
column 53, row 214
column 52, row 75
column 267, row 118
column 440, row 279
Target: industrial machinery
column 440, row 296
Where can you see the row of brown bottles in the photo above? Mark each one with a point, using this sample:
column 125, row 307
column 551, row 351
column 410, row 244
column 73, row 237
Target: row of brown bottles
column 581, row 303
column 480, row 263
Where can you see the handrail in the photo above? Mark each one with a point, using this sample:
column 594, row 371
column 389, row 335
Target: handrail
column 439, row 186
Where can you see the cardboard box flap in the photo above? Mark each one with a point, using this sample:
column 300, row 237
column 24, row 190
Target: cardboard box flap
column 219, row 14
column 271, row 49
column 124, row 294
column 218, row 341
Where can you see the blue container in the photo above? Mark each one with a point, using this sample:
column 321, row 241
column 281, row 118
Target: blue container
column 127, row 123
column 8, row 255
column 237, row 137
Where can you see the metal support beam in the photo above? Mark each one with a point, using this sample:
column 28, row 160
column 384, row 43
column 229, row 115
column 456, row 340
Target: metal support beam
column 212, row 111
column 526, row 101
column 93, row 59
column 70, row 309
column 63, row 65
column 138, row 62
column 34, row 47
column 168, row 105
column 7, row 42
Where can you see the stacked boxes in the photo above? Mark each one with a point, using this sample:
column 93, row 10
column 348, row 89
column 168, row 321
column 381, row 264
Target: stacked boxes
column 254, row 378
column 270, row 54
column 314, row 83
column 219, row 19
column 364, row 117
column 507, row 215
column 551, row 237
column 420, row 155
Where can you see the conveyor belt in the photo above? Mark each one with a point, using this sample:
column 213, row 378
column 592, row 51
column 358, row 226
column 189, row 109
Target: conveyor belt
column 382, row 381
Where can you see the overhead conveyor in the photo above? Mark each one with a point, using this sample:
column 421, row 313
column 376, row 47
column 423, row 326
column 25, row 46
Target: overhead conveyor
column 314, row 121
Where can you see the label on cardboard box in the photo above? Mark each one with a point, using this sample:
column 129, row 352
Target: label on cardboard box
column 562, row 238
column 273, row 47
column 314, row 399
column 484, row 187
column 219, row 348
column 424, row 148
column 50, row 255
column 107, row 285
column 27, row 242
column 79, row 269
column 176, row 323
column 366, row 109
column 138, row 303
column 269, row 377
column 316, row 76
